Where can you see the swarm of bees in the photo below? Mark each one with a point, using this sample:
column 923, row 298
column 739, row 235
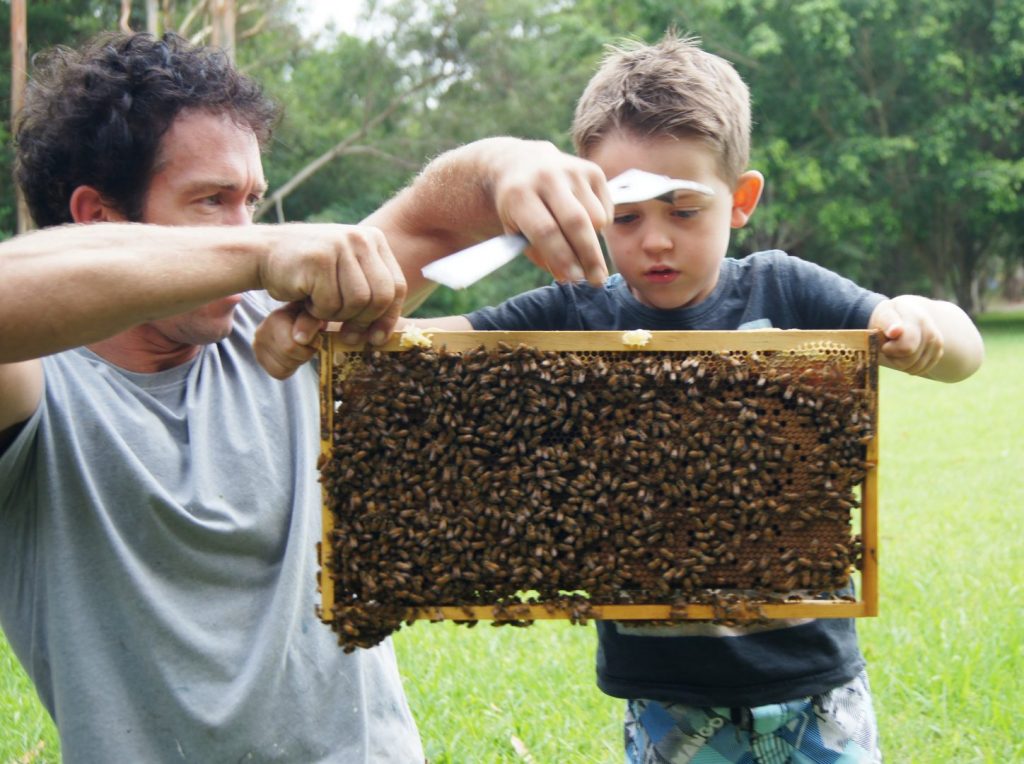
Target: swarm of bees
column 512, row 475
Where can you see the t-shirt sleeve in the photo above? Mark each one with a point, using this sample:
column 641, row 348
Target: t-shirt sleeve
column 13, row 460
column 537, row 310
column 262, row 301
column 825, row 300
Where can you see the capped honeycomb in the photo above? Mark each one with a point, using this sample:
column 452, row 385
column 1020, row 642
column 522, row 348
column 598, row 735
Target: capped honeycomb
column 501, row 476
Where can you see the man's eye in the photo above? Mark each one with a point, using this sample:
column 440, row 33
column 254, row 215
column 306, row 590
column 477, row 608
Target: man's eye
column 624, row 218
column 253, row 200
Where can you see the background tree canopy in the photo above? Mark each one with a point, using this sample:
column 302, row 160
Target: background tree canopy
column 890, row 131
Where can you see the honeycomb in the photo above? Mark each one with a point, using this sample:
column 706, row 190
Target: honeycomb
column 509, row 475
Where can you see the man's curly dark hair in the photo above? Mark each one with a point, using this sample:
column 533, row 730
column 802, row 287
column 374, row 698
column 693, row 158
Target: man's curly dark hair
column 95, row 116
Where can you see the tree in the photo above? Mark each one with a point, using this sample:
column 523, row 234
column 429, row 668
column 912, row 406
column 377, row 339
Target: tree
column 49, row 23
column 890, row 133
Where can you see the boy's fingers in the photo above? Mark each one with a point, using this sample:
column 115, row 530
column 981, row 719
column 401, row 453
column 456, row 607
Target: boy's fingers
column 888, row 319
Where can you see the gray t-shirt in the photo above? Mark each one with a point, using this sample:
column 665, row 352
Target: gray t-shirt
column 158, row 568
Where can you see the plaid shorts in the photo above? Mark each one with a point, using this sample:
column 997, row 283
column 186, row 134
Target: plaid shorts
column 837, row 727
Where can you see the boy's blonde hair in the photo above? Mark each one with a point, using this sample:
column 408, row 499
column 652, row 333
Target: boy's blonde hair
column 672, row 88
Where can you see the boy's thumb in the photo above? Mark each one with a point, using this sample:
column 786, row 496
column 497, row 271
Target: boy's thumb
column 895, row 330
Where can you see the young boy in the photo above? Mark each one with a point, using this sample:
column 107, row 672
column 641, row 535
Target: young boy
column 700, row 692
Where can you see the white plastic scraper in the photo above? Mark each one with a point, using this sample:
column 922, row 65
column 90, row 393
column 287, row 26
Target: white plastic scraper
column 466, row 267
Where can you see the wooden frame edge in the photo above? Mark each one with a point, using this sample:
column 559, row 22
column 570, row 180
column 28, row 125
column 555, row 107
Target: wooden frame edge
column 865, row 606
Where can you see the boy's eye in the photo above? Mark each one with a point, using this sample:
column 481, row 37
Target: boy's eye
column 685, row 213
column 624, row 218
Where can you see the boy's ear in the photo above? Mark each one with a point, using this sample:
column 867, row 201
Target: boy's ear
column 88, row 206
column 745, row 197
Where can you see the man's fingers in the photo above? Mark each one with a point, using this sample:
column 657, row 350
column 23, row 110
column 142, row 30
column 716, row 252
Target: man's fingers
column 381, row 328
column 378, row 296
column 581, row 215
column 306, row 328
column 275, row 344
column 559, row 203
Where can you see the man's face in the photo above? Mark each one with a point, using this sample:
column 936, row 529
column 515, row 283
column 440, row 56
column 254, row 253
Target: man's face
column 207, row 172
column 669, row 254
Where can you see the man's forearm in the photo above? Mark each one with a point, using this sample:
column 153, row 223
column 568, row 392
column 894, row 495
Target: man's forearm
column 449, row 206
column 76, row 284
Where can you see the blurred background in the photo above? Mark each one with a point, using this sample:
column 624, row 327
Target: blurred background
column 890, row 132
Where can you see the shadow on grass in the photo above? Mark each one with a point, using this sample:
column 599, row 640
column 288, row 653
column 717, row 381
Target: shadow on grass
column 1002, row 322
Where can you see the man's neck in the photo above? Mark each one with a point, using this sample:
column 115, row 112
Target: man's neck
column 144, row 350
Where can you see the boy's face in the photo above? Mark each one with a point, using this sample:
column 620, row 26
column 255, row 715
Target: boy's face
column 669, row 254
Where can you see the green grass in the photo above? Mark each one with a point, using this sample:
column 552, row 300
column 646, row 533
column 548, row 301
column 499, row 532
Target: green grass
column 26, row 732
column 946, row 655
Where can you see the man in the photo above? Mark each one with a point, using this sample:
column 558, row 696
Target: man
column 158, row 499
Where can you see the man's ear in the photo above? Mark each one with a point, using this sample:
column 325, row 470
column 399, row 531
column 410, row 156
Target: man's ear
column 88, row 206
column 745, row 197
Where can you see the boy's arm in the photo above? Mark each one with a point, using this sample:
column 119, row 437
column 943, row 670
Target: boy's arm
column 928, row 338
column 446, row 323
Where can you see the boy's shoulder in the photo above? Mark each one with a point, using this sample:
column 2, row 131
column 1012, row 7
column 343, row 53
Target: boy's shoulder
column 780, row 264
column 769, row 258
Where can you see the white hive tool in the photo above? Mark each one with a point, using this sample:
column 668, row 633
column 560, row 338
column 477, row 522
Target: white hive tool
column 467, row 266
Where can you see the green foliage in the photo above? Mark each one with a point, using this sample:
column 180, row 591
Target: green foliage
column 891, row 133
column 54, row 22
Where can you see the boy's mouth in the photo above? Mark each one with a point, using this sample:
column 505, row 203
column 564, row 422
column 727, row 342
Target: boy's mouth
column 660, row 274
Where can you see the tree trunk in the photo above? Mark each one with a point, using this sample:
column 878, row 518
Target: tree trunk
column 153, row 17
column 222, row 34
column 19, row 75
column 124, row 23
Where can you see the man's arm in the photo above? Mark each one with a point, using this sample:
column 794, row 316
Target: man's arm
column 79, row 284
column 495, row 185
column 929, row 338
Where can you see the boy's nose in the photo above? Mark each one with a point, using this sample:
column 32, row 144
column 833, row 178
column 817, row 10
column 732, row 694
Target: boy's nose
column 655, row 240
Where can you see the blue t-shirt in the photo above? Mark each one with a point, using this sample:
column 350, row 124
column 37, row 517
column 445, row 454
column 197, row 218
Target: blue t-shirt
column 698, row 663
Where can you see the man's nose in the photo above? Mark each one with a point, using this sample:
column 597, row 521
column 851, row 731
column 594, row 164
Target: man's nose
column 238, row 214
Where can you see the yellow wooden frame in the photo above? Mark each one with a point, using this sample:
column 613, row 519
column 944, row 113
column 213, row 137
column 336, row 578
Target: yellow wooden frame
column 768, row 340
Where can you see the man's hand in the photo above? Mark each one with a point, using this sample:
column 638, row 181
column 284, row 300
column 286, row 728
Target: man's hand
column 501, row 185
column 559, row 202
column 326, row 273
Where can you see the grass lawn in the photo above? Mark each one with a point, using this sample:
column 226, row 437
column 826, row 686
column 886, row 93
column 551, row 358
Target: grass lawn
column 946, row 655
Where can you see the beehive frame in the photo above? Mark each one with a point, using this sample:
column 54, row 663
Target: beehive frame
column 817, row 345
